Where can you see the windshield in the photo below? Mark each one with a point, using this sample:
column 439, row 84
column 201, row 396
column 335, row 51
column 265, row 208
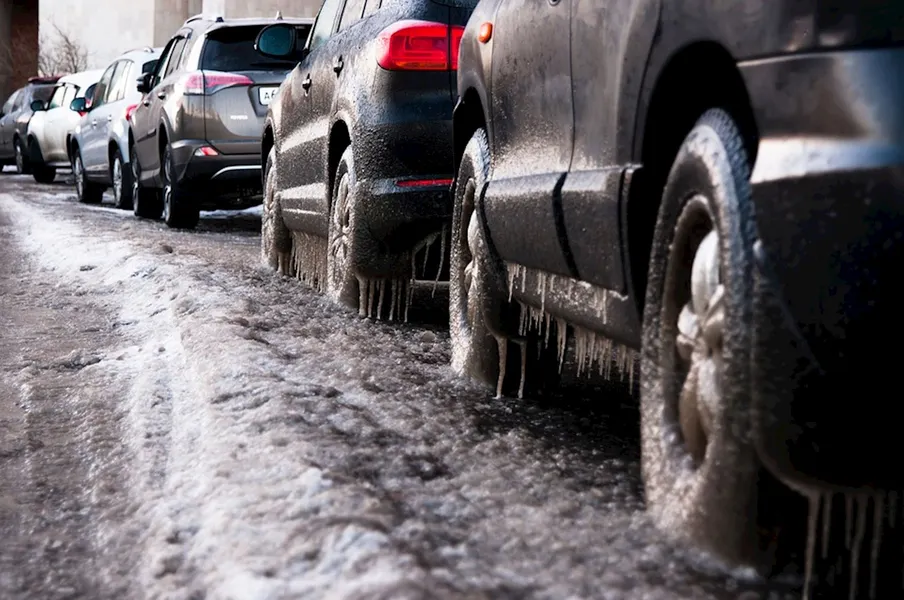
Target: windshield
column 42, row 92
column 232, row 49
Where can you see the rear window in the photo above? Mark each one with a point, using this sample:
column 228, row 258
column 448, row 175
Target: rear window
column 232, row 49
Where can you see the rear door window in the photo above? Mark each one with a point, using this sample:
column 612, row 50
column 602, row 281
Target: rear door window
column 231, row 49
column 371, row 7
column 56, row 100
column 120, row 80
column 100, row 91
column 175, row 57
column 351, row 14
column 71, row 92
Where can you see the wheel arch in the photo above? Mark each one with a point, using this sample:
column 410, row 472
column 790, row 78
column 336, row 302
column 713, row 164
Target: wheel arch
column 703, row 75
column 340, row 139
column 468, row 117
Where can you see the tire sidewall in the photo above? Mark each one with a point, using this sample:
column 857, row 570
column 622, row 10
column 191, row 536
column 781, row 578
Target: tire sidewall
column 474, row 349
column 713, row 506
column 276, row 239
column 341, row 281
column 126, row 197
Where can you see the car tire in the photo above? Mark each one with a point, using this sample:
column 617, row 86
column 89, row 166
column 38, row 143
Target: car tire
column 276, row 239
column 146, row 203
column 44, row 174
column 472, row 293
column 342, row 246
column 121, row 177
column 178, row 210
column 23, row 167
column 87, row 191
column 699, row 464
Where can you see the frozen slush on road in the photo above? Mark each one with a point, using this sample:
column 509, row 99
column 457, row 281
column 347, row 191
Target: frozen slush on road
column 266, row 450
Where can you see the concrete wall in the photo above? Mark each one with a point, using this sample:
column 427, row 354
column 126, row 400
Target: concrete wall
column 262, row 8
column 18, row 44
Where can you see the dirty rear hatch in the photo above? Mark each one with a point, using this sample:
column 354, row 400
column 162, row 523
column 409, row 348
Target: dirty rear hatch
column 235, row 109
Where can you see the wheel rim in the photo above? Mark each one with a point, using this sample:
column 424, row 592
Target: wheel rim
column 342, row 217
column 79, row 181
column 693, row 325
column 469, row 251
column 167, row 187
column 20, row 158
column 136, row 170
column 117, row 180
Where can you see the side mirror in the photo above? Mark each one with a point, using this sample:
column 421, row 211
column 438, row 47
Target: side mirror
column 79, row 105
column 277, row 41
column 37, row 105
column 144, row 83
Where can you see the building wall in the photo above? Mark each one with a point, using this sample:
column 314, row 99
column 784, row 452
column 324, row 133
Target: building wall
column 127, row 24
column 19, row 40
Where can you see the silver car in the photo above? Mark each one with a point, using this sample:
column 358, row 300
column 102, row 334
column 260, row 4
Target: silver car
column 99, row 146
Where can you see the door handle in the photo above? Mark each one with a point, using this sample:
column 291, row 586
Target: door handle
column 306, row 84
column 93, row 122
column 109, row 118
column 145, row 101
column 338, row 65
column 161, row 95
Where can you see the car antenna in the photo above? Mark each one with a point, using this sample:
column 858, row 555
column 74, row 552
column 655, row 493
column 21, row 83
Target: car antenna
column 279, row 15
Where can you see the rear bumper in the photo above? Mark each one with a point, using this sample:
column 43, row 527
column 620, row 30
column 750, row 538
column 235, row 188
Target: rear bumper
column 828, row 189
column 220, row 175
column 395, row 220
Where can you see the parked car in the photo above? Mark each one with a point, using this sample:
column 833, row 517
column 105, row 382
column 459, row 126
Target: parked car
column 53, row 122
column 14, row 117
column 358, row 146
column 717, row 189
column 98, row 148
column 197, row 132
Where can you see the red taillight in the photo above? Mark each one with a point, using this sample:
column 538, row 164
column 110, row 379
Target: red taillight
column 424, row 183
column 419, row 46
column 129, row 111
column 208, row 82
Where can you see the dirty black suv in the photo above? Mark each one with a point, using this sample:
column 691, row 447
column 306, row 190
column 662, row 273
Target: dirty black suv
column 197, row 130
column 358, row 148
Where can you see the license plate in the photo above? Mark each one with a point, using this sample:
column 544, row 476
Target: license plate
column 267, row 94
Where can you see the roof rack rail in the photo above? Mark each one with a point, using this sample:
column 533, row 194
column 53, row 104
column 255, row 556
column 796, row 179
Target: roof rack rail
column 147, row 49
column 217, row 18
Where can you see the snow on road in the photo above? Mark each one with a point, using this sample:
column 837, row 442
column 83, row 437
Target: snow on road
column 277, row 446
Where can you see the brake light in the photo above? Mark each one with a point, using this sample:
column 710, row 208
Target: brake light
column 419, row 46
column 198, row 83
column 129, row 111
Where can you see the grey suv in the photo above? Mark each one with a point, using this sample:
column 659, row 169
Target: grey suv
column 197, row 130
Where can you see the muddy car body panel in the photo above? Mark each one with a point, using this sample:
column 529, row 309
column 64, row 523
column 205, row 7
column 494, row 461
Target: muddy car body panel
column 395, row 121
column 582, row 145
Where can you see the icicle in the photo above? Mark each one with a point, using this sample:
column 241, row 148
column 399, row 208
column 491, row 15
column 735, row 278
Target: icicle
column 392, row 300
column 826, row 524
column 511, row 280
column 561, row 341
column 848, row 520
column 523, row 278
column 309, row 258
column 442, row 259
column 502, row 345
column 428, row 243
column 523, row 345
column 878, row 517
column 812, row 520
column 371, row 295
column 862, row 504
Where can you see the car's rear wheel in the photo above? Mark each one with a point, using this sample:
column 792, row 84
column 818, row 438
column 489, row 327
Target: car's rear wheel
column 121, row 178
column 146, row 203
column 22, row 165
column 475, row 351
column 87, row 191
column 699, row 465
column 276, row 240
column 341, row 282
column 179, row 211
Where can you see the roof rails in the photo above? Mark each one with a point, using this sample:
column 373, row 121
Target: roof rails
column 44, row 79
column 147, row 49
column 216, row 19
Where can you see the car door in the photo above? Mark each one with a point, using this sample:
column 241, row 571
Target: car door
column 101, row 119
column 533, row 131
column 141, row 117
column 148, row 149
column 607, row 73
column 69, row 121
column 93, row 148
column 52, row 121
column 305, row 141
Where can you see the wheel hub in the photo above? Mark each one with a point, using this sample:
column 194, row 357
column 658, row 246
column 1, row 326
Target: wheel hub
column 699, row 347
column 342, row 222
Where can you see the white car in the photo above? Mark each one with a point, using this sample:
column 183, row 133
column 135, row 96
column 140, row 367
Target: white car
column 52, row 123
column 99, row 145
